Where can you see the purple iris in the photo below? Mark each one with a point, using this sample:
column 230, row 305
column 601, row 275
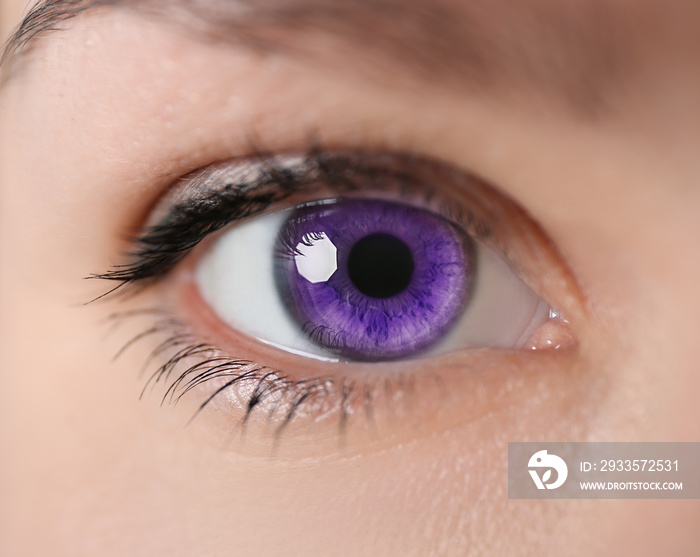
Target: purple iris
column 371, row 279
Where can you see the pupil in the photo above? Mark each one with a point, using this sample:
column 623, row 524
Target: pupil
column 380, row 265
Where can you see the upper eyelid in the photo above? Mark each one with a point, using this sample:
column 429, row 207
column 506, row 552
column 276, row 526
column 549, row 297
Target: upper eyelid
column 209, row 199
column 171, row 229
column 234, row 176
column 484, row 212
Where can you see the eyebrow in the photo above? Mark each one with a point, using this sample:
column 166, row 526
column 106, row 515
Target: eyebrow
column 569, row 53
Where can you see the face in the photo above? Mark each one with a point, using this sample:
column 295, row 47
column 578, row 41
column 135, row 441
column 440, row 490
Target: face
column 356, row 251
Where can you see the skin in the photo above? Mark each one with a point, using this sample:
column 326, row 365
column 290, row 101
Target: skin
column 88, row 469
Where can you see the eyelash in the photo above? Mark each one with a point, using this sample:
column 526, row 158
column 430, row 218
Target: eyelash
column 268, row 181
column 287, row 396
column 162, row 246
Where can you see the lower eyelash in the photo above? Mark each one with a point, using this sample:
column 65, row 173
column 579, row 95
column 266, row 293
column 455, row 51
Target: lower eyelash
column 260, row 389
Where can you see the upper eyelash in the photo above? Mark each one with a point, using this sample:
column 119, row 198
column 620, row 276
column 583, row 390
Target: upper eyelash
column 161, row 246
column 250, row 189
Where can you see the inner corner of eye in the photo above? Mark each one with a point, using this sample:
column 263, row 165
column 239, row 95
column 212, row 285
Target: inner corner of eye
column 366, row 280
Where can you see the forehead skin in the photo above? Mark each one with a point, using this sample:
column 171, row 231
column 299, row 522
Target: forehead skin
column 586, row 54
column 616, row 188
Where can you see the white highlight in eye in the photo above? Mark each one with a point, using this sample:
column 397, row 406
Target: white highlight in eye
column 317, row 259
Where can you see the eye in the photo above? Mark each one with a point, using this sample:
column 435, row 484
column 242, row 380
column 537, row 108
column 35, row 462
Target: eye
column 338, row 284
column 366, row 279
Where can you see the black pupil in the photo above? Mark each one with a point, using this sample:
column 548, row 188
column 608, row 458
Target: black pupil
column 380, row 265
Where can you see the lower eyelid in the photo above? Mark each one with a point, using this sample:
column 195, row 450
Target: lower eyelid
column 357, row 409
column 406, row 400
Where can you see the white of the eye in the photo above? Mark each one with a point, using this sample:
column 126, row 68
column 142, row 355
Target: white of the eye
column 503, row 311
column 317, row 259
column 236, row 277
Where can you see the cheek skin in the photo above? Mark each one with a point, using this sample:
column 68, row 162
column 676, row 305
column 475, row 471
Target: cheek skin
column 105, row 474
column 119, row 467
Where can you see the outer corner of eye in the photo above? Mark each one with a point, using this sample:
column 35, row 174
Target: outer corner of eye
column 371, row 280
